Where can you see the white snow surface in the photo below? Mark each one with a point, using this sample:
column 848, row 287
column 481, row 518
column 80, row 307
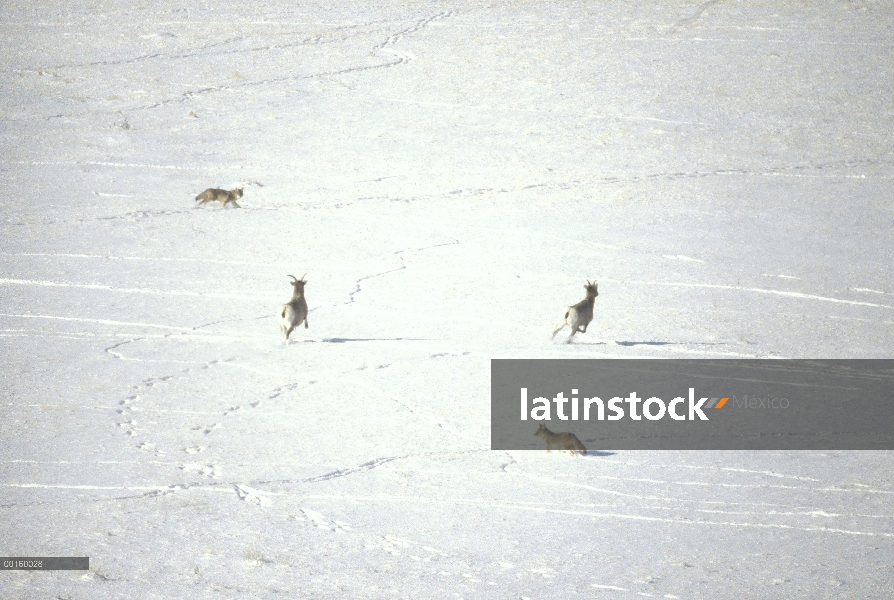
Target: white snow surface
column 448, row 175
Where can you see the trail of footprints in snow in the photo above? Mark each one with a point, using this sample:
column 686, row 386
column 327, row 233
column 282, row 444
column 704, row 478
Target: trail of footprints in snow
column 252, row 495
column 128, row 409
column 402, row 547
column 130, row 405
column 386, row 46
column 322, row 522
column 274, row 393
column 207, row 470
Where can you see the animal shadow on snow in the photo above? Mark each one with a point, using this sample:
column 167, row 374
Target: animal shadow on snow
column 629, row 343
column 620, row 343
column 672, row 343
column 337, row 340
column 593, row 454
column 596, row 453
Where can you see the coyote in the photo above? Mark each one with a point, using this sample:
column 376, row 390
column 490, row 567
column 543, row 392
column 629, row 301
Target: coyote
column 561, row 441
column 222, row 196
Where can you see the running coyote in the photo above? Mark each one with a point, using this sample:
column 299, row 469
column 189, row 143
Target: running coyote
column 222, row 196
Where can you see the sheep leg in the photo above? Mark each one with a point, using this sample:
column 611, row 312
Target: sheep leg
column 563, row 322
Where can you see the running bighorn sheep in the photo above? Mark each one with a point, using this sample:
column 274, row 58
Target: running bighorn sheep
column 295, row 311
column 579, row 316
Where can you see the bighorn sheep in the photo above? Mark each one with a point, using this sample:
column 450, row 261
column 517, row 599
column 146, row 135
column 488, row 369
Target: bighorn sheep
column 295, row 310
column 579, row 316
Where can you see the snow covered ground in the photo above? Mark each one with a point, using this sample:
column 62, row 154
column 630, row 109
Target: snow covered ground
column 448, row 175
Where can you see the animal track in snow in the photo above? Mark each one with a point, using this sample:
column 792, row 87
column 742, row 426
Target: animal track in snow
column 682, row 257
column 127, row 405
column 206, row 429
column 276, row 392
column 394, row 38
column 322, row 522
column 252, row 495
column 616, row 588
column 401, row 267
column 453, row 354
column 211, row 471
column 372, row 464
column 126, row 409
column 131, row 427
column 234, row 409
column 397, row 546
